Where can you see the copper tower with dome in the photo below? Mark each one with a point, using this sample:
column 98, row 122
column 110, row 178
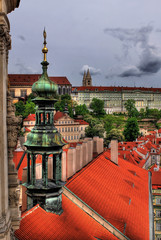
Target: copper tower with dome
column 44, row 140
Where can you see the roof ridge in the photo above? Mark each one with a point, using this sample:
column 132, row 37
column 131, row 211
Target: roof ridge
column 30, row 211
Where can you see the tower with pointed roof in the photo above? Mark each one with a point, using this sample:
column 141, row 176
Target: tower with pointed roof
column 44, row 140
column 87, row 80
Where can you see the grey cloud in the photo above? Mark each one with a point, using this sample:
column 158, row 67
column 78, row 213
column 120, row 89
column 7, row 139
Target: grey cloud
column 93, row 71
column 149, row 58
column 150, row 62
column 22, row 69
column 21, row 37
column 131, row 71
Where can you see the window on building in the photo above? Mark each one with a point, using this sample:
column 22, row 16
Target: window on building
column 62, row 129
column 23, row 92
column 68, row 137
column 74, row 137
column 158, row 226
column 71, row 137
column 77, row 128
column 81, row 128
column 71, row 129
column 59, row 130
column 158, row 213
column 12, row 92
column 68, row 129
column 158, row 237
column 158, row 201
column 62, row 122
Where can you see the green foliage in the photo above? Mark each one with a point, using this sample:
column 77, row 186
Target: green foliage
column 96, row 126
column 66, row 97
column 142, row 113
column 24, row 109
column 153, row 113
column 96, row 130
column 81, row 110
column 131, row 109
column 111, row 121
column 115, row 134
column 97, row 106
column 131, row 130
column 20, row 108
column 63, row 100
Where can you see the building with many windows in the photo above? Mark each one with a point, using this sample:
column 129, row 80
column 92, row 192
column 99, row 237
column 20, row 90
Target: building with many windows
column 72, row 130
column 115, row 97
column 20, row 84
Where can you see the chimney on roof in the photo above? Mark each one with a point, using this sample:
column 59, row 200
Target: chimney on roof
column 114, row 151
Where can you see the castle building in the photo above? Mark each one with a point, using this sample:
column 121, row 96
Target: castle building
column 21, row 84
column 115, row 97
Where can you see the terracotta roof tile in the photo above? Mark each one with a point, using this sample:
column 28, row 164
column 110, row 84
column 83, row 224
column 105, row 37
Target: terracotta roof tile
column 29, row 79
column 81, row 122
column 30, row 117
column 107, row 191
column 72, row 224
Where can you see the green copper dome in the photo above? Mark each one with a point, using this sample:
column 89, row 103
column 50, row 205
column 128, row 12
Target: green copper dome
column 44, row 87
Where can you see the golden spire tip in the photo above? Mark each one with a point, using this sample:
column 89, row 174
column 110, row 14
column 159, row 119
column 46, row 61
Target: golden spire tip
column 44, row 50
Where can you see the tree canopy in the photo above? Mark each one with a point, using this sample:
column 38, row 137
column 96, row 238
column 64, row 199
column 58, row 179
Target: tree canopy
column 97, row 106
column 25, row 108
column 131, row 130
column 131, row 109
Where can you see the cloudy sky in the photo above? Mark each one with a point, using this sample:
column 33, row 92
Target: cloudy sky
column 118, row 40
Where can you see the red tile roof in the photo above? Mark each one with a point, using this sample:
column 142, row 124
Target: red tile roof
column 30, row 117
column 72, row 224
column 105, row 187
column 159, row 131
column 16, row 158
column 156, row 178
column 115, row 89
column 81, row 122
column 58, row 115
column 29, row 79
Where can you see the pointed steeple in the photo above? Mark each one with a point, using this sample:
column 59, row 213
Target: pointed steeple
column 88, row 79
column 88, row 74
column 84, row 78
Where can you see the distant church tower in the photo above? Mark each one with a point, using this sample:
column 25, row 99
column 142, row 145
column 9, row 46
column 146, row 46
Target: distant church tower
column 44, row 140
column 87, row 80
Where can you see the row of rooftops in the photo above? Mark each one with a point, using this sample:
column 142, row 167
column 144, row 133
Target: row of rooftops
column 24, row 80
column 119, row 193
column 58, row 115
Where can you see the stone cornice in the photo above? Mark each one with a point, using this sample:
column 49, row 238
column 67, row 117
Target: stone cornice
column 12, row 4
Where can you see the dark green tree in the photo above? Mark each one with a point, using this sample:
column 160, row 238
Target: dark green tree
column 81, row 110
column 96, row 130
column 97, row 106
column 115, row 134
column 20, row 108
column 131, row 109
column 131, row 130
